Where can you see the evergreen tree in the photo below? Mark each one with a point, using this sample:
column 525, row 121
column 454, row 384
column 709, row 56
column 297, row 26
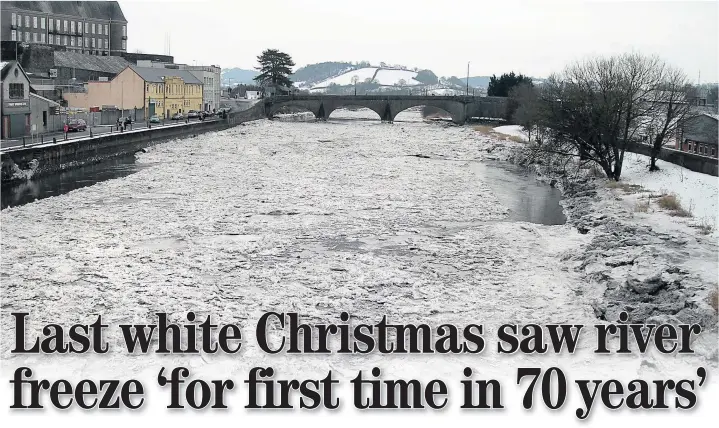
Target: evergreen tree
column 275, row 68
column 502, row 86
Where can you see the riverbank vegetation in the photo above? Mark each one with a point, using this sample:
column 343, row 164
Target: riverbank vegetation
column 597, row 107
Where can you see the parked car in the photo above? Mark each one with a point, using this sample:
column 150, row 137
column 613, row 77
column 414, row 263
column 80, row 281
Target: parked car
column 154, row 119
column 209, row 113
column 76, row 125
column 192, row 114
column 177, row 116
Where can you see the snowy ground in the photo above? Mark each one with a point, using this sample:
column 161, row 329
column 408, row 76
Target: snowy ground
column 317, row 218
column 698, row 193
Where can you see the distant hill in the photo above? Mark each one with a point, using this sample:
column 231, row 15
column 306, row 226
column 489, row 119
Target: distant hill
column 332, row 75
column 313, row 73
column 238, row 76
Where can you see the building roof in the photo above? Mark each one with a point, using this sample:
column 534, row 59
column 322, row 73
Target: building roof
column 7, row 66
column 50, row 102
column 104, row 10
column 106, row 64
column 156, row 74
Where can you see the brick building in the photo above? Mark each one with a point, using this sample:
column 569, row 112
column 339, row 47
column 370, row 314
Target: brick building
column 699, row 135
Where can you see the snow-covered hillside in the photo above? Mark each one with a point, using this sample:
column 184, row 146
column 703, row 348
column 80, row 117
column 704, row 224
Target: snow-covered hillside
column 386, row 77
column 380, row 76
column 346, row 78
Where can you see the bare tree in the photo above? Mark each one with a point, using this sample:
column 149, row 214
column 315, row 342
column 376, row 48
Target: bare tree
column 671, row 108
column 595, row 108
column 524, row 103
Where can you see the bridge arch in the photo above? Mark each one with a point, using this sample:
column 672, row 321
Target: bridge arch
column 455, row 109
column 310, row 106
column 436, row 110
column 376, row 110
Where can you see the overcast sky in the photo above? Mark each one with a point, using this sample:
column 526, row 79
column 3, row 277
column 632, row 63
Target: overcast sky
column 531, row 37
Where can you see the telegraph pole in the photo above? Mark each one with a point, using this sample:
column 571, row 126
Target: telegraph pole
column 467, row 78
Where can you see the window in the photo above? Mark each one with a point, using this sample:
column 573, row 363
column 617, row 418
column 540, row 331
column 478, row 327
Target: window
column 64, row 25
column 42, row 37
column 19, row 20
column 99, row 43
column 27, row 36
column 44, row 118
column 690, row 147
column 34, row 22
column 34, row 37
column 107, row 30
column 93, row 42
column 124, row 31
column 93, row 28
column 13, row 35
column 51, row 21
column 42, row 23
column 51, row 40
column 17, row 90
column 27, row 21
column 79, row 27
column 14, row 17
column 64, row 40
column 72, row 26
column 714, row 151
column 87, row 42
column 72, row 41
column 87, row 27
column 57, row 25
column 124, row 43
column 106, row 44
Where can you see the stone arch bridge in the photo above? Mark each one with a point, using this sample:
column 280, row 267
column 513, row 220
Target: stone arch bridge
column 460, row 108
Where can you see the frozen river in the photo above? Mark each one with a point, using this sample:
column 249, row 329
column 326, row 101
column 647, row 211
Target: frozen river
column 406, row 220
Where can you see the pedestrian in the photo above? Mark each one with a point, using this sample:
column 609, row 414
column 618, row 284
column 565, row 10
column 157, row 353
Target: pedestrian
column 65, row 128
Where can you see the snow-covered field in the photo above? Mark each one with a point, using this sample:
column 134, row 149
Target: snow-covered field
column 316, row 218
column 394, row 77
column 384, row 77
column 698, row 193
column 345, row 79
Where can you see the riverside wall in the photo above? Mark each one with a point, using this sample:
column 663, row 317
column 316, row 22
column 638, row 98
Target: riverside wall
column 24, row 163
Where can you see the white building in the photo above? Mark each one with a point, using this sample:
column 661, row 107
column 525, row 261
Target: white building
column 252, row 95
column 210, row 77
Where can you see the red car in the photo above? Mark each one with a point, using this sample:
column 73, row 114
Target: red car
column 76, row 125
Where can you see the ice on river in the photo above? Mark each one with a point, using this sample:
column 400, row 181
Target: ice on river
column 316, row 218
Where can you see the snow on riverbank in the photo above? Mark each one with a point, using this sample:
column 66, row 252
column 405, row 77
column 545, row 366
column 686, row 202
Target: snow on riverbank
column 698, row 193
column 513, row 130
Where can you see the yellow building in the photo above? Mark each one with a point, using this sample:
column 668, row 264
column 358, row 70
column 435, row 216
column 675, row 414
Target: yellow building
column 161, row 91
